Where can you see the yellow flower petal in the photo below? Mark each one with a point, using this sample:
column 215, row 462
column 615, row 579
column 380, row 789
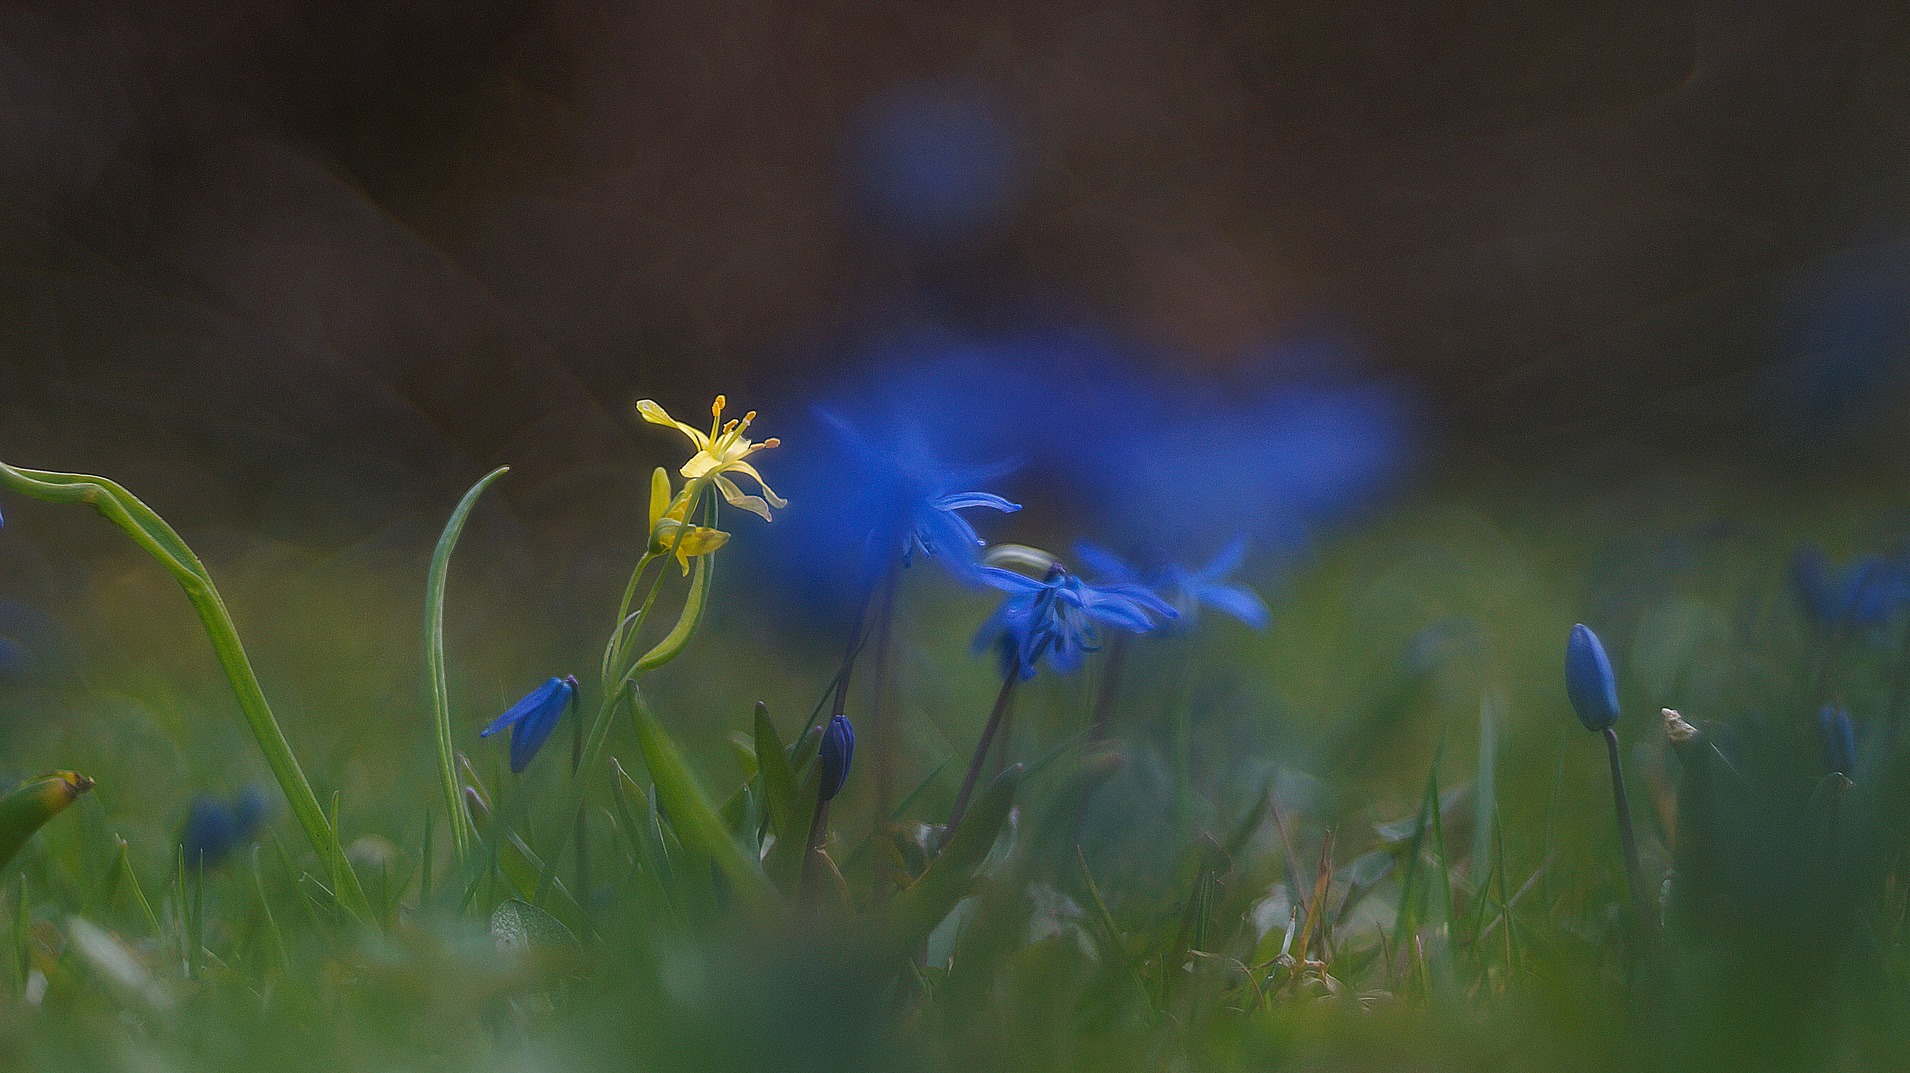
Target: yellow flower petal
column 741, row 501
column 699, row 464
column 699, row 540
column 768, row 493
column 656, row 415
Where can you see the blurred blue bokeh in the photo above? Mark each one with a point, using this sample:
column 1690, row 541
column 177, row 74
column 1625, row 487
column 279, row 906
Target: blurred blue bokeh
column 1117, row 445
column 932, row 162
column 1844, row 334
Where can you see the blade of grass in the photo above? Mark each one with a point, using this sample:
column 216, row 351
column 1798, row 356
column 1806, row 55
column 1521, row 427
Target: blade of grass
column 690, row 811
column 461, row 833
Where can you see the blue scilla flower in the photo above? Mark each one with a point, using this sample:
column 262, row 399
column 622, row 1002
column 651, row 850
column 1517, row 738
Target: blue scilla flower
column 1840, row 738
column 1861, row 595
column 1843, row 326
column 899, row 492
column 1058, row 617
column 1589, row 680
column 213, row 829
column 837, row 750
column 1186, row 590
column 532, row 719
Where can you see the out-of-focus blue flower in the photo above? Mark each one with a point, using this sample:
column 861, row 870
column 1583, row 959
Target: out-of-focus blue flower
column 1840, row 738
column 1862, row 595
column 532, row 719
column 1187, row 591
column 213, row 829
column 1120, row 440
column 1589, row 680
column 934, row 162
column 1274, row 455
column 838, row 748
column 1058, row 618
column 35, row 647
column 900, row 492
column 1844, row 331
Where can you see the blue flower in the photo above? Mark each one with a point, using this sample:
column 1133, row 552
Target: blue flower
column 1840, row 739
column 902, row 493
column 213, row 829
column 1186, row 590
column 837, row 749
column 1058, row 617
column 1863, row 594
column 532, row 719
column 1589, row 680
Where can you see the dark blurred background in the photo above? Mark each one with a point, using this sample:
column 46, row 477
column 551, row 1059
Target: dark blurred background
column 252, row 254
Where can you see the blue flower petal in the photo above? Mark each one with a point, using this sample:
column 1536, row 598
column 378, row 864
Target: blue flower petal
column 1236, row 600
column 966, row 500
column 532, row 701
column 1107, row 567
column 1229, row 560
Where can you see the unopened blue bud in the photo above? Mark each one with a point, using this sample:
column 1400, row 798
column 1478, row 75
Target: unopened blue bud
column 1589, row 680
column 838, row 748
column 533, row 718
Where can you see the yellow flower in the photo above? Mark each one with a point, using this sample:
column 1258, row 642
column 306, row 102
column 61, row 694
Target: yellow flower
column 669, row 528
column 722, row 451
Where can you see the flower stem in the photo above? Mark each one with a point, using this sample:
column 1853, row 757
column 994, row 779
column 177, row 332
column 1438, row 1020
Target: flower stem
column 1002, row 699
column 1110, row 688
column 817, row 835
column 881, row 733
column 1628, row 841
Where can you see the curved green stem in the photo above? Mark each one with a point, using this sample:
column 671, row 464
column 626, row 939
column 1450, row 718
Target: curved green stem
column 150, row 532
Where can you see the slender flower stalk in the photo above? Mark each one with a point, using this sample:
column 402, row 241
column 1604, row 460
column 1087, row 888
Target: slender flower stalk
column 1009, row 680
column 1628, row 836
column 882, row 724
column 1593, row 690
column 1109, row 688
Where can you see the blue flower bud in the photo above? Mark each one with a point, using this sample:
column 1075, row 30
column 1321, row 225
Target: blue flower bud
column 1589, row 680
column 838, row 748
column 1840, row 739
column 533, row 718
column 214, row 829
